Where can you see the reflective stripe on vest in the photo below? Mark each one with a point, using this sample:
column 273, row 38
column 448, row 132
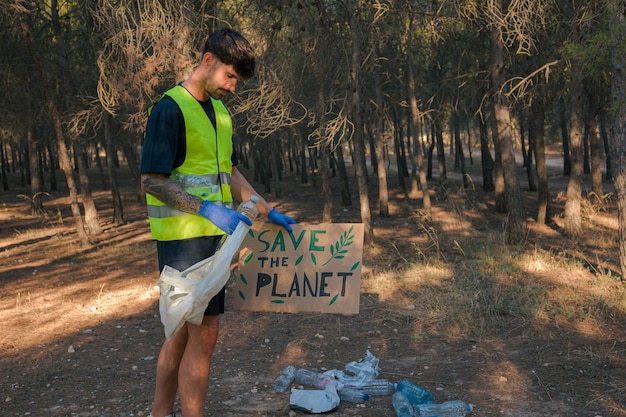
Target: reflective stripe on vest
column 205, row 171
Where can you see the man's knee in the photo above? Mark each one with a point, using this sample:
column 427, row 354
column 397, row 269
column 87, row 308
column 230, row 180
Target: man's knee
column 205, row 334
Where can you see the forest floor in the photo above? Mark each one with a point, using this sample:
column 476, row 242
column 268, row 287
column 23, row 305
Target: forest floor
column 535, row 330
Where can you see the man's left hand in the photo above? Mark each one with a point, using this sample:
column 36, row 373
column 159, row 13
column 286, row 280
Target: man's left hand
column 281, row 219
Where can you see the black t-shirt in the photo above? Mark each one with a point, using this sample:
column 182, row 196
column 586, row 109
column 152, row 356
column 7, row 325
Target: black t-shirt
column 165, row 144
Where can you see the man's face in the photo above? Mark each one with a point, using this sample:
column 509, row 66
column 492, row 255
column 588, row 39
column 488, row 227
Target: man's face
column 220, row 79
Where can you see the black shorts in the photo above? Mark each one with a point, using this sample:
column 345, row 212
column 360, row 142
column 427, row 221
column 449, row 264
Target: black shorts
column 181, row 254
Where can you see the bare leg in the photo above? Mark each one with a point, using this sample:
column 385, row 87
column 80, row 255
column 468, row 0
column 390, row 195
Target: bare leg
column 193, row 375
column 167, row 373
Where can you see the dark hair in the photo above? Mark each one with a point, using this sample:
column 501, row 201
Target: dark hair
column 232, row 48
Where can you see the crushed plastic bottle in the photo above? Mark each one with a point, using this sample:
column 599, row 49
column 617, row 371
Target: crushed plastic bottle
column 353, row 395
column 414, row 393
column 315, row 379
column 365, row 369
column 282, row 382
column 401, row 405
column 455, row 408
column 375, row 387
column 249, row 208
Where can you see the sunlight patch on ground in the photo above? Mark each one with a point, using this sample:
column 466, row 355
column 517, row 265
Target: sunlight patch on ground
column 505, row 378
column 50, row 314
column 386, row 284
column 608, row 221
column 452, row 222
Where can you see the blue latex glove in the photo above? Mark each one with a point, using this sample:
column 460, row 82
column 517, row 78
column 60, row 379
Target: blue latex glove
column 281, row 219
column 223, row 217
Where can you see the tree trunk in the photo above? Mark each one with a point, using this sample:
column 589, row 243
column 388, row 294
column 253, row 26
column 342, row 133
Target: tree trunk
column 586, row 159
column 594, row 150
column 383, row 192
column 412, row 137
column 499, row 189
column 327, row 213
column 486, row 159
column 275, row 163
column 607, row 154
column 530, row 173
column 64, row 158
column 36, row 186
column 459, row 156
column 361, row 171
column 417, row 148
column 537, row 127
column 264, row 158
column 573, row 220
column 312, row 164
column 346, row 199
column 470, row 151
column 3, row 168
column 91, row 213
column 517, row 229
column 304, row 172
column 618, row 126
column 131, row 160
column 525, row 151
column 383, row 196
column 567, row 162
column 398, row 152
column 429, row 153
column 441, row 151
column 118, row 208
column 53, row 165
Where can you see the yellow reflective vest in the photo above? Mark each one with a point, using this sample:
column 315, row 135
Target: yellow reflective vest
column 205, row 171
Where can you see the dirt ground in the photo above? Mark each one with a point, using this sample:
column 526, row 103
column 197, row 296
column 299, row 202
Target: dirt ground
column 81, row 328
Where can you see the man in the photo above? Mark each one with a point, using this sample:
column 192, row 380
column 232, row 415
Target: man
column 191, row 182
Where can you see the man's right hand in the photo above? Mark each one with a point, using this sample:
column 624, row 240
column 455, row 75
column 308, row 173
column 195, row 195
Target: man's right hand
column 223, row 217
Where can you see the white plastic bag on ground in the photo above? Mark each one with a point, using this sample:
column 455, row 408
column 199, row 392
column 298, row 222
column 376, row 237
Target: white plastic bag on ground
column 314, row 401
column 185, row 295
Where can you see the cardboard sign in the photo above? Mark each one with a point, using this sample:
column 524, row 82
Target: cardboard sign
column 315, row 268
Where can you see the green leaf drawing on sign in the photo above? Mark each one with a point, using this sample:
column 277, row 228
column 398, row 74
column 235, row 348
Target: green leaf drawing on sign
column 338, row 249
column 299, row 259
column 243, row 297
column 251, row 233
column 243, row 279
column 313, row 259
column 278, row 301
column 332, row 301
column 250, row 255
column 355, row 266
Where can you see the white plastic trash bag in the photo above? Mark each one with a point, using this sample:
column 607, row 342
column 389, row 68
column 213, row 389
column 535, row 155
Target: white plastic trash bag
column 314, row 401
column 185, row 295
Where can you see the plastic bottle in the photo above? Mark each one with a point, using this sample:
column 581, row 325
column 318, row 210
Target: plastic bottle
column 353, row 395
column 367, row 368
column 374, row 387
column 455, row 408
column 285, row 378
column 315, row 379
column 401, row 404
column 249, row 208
column 414, row 393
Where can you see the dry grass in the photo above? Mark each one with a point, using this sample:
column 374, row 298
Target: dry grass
column 462, row 283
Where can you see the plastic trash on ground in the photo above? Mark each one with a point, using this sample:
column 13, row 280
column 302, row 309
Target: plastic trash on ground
column 185, row 295
column 282, row 382
column 366, row 368
column 364, row 371
column 314, row 401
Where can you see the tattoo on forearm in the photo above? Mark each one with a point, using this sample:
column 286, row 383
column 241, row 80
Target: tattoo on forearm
column 172, row 194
